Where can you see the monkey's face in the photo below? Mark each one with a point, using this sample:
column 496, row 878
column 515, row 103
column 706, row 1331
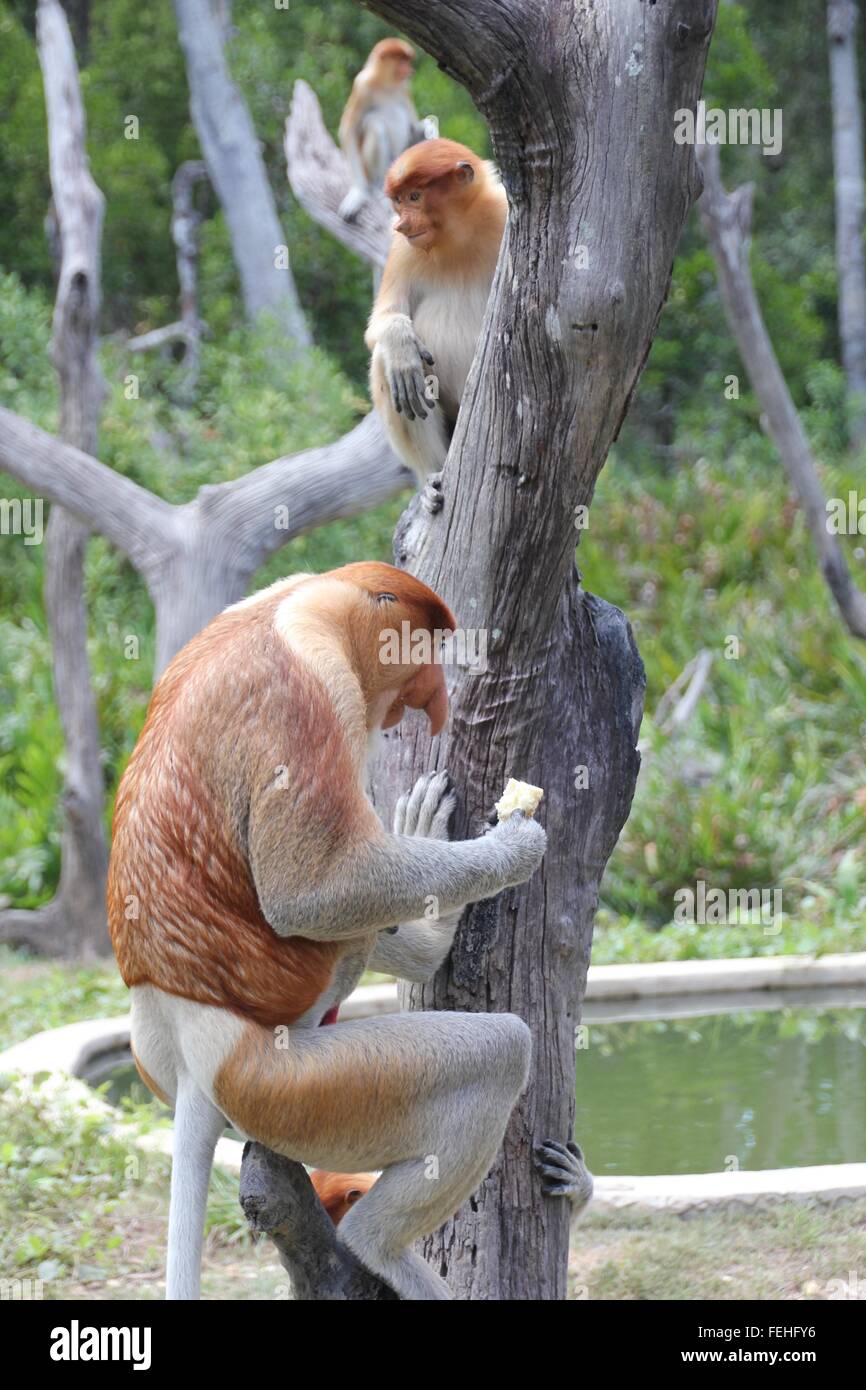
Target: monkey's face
column 398, row 625
column 419, row 216
column 427, row 215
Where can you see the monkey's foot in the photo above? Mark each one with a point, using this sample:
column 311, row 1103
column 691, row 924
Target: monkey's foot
column 352, row 204
column 426, row 809
column 563, row 1172
column 432, row 499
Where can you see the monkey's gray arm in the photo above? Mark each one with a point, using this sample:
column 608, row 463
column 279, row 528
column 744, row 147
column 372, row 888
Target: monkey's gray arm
column 415, row 950
column 384, row 880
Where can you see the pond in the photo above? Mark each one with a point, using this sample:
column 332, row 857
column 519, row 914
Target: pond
column 774, row 1087
column 771, row 1079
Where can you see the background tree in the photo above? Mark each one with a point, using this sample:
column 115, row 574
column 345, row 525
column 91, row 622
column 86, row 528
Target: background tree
column 74, row 921
column 848, row 169
column 237, row 172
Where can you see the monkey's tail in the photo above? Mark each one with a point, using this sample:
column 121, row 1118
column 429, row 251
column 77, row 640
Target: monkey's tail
column 197, row 1126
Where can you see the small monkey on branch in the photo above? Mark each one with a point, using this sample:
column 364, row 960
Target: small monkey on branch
column 250, row 885
column 451, row 212
column 379, row 121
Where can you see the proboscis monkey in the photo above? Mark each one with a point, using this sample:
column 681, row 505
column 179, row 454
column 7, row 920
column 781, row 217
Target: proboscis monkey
column 338, row 1192
column 251, row 883
column 451, row 211
column 379, row 121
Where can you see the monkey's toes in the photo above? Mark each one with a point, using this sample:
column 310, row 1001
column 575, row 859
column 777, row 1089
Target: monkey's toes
column 432, row 497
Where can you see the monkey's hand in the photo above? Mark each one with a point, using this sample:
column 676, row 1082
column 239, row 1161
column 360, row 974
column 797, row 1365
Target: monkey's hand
column 415, row 950
column 523, row 843
column 564, row 1174
column 426, row 810
column 404, row 357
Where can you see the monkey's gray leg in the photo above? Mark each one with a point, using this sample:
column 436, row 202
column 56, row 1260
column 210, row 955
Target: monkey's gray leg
column 463, row 1074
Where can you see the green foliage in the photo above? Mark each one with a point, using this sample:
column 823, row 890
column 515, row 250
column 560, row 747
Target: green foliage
column 765, row 788
column 35, row 996
column 63, row 1177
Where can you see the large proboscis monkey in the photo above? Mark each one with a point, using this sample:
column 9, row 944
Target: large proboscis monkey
column 251, row 883
column 451, row 211
column 379, row 121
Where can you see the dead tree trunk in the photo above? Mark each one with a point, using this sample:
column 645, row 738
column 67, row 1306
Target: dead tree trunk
column 580, row 100
column 727, row 222
column 76, row 916
column 237, row 172
column 185, row 222
column 848, row 182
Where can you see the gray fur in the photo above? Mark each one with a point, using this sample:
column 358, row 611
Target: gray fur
column 389, row 881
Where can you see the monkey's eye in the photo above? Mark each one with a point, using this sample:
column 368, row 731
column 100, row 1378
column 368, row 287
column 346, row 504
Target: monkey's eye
column 415, row 196
column 386, row 598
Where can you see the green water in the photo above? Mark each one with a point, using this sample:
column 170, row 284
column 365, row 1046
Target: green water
column 773, row 1090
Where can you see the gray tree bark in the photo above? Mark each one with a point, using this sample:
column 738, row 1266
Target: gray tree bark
column 727, row 221
column 237, row 172
column 185, row 223
column 848, row 178
column 76, row 915
column 279, row 1201
column 580, row 100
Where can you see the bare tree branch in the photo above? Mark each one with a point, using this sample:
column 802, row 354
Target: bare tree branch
column 727, row 222
column 78, row 908
column 848, row 186
column 131, row 517
column 279, row 1201
column 319, row 178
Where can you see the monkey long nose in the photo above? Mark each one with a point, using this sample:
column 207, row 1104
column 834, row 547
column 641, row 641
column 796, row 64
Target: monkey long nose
column 426, row 691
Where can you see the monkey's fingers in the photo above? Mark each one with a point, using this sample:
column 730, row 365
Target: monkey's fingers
column 405, row 388
column 400, row 814
column 416, row 388
column 427, row 357
column 437, row 796
column 417, row 797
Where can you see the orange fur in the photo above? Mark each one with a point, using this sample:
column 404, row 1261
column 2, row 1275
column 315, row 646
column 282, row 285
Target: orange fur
column 333, row 1094
column 424, row 163
column 337, row 1192
column 391, row 48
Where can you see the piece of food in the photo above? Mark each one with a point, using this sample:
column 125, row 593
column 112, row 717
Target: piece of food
column 518, row 796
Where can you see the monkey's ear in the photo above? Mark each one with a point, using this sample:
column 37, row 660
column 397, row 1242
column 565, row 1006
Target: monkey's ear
column 464, row 172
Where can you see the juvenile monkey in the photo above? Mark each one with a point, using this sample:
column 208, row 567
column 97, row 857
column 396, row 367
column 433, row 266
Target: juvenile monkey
column 379, row 121
column 451, row 211
column 338, row 1192
column 251, row 883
